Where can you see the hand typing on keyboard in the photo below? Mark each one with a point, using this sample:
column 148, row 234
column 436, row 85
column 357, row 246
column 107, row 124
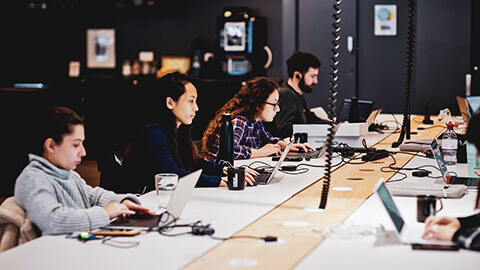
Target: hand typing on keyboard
column 301, row 147
column 250, row 175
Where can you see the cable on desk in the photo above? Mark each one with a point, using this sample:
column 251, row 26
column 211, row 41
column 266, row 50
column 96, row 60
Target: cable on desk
column 397, row 170
column 198, row 228
column 267, row 238
column 264, row 166
column 320, row 166
column 295, row 172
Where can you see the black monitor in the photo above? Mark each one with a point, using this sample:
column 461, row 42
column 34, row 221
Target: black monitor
column 364, row 106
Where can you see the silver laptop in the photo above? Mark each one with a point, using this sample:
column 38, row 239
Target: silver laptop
column 407, row 234
column 265, row 177
column 173, row 211
column 470, row 182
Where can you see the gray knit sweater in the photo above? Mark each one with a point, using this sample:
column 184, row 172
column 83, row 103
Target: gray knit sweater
column 59, row 201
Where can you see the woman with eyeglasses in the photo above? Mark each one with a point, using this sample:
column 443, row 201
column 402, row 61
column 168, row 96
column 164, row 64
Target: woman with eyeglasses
column 255, row 103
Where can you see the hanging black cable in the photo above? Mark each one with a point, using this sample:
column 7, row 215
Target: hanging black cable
column 332, row 101
column 412, row 6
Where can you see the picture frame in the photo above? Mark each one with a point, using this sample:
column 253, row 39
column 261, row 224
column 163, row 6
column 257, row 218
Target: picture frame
column 101, row 48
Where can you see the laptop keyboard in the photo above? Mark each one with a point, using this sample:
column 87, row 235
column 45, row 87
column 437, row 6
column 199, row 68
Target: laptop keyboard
column 468, row 181
column 262, row 178
column 138, row 221
column 313, row 154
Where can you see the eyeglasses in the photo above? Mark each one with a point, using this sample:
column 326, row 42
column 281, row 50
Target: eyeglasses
column 275, row 105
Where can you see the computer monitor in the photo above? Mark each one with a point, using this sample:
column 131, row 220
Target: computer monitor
column 365, row 107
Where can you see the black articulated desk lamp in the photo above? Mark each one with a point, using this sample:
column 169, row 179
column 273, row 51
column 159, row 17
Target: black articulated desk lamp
column 405, row 132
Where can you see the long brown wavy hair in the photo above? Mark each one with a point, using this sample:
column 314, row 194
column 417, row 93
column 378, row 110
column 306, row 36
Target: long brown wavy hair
column 248, row 102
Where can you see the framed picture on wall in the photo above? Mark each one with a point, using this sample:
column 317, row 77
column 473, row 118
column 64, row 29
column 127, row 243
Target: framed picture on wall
column 101, row 48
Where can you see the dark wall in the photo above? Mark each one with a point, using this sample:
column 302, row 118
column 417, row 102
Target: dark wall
column 315, row 36
column 442, row 58
column 38, row 44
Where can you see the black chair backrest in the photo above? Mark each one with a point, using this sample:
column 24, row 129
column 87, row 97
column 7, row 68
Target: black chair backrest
column 110, row 166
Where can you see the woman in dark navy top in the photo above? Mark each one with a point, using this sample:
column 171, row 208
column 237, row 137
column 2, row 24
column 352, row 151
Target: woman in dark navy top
column 163, row 143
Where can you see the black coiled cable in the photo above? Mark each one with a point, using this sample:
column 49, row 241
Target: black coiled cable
column 332, row 101
column 412, row 5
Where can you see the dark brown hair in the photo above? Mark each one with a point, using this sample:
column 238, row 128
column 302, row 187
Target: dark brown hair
column 53, row 122
column 180, row 140
column 248, row 102
column 301, row 61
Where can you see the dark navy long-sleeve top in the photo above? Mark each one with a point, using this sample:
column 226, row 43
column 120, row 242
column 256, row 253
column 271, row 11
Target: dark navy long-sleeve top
column 152, row 155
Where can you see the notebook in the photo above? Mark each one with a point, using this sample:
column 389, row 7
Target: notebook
column 463, row 107
column 265, row 177
column 470, row 182
column 407, row 233
column 174, row 208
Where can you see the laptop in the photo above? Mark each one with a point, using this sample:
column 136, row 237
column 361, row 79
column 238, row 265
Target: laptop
column 470, row 182
column 365, row 108
column 174, row 208
column 265, row 177
column 313, row 154
column 407, row 233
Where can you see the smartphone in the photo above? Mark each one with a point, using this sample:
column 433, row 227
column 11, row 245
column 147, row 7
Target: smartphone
column 434, row 247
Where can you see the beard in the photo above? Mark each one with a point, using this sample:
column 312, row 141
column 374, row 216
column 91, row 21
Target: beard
column 305, row 88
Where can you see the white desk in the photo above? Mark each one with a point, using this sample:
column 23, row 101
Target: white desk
column 226, row 211
column 372, row 252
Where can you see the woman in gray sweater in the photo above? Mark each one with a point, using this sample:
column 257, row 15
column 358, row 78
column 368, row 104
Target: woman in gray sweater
column 56, row 198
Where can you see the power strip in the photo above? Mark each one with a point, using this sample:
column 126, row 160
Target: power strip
column 379, row 154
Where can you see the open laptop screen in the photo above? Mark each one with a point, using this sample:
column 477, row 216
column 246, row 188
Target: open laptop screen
column 365, row 107
column 439, row 158
column 389, row 204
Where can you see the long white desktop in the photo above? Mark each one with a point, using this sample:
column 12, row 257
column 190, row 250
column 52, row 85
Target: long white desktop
column 230, row 211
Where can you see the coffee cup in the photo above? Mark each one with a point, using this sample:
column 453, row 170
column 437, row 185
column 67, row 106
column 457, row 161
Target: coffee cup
column 427, row 206
column 236, row 178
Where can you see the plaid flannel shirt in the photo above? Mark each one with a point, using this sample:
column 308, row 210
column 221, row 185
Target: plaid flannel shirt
column 246, row 135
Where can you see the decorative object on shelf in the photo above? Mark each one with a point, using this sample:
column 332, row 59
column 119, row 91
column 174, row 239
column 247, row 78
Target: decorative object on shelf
column 101, row 48
column 136, row 68
column 126, row 68
column 74, row 69
column 174, row 63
